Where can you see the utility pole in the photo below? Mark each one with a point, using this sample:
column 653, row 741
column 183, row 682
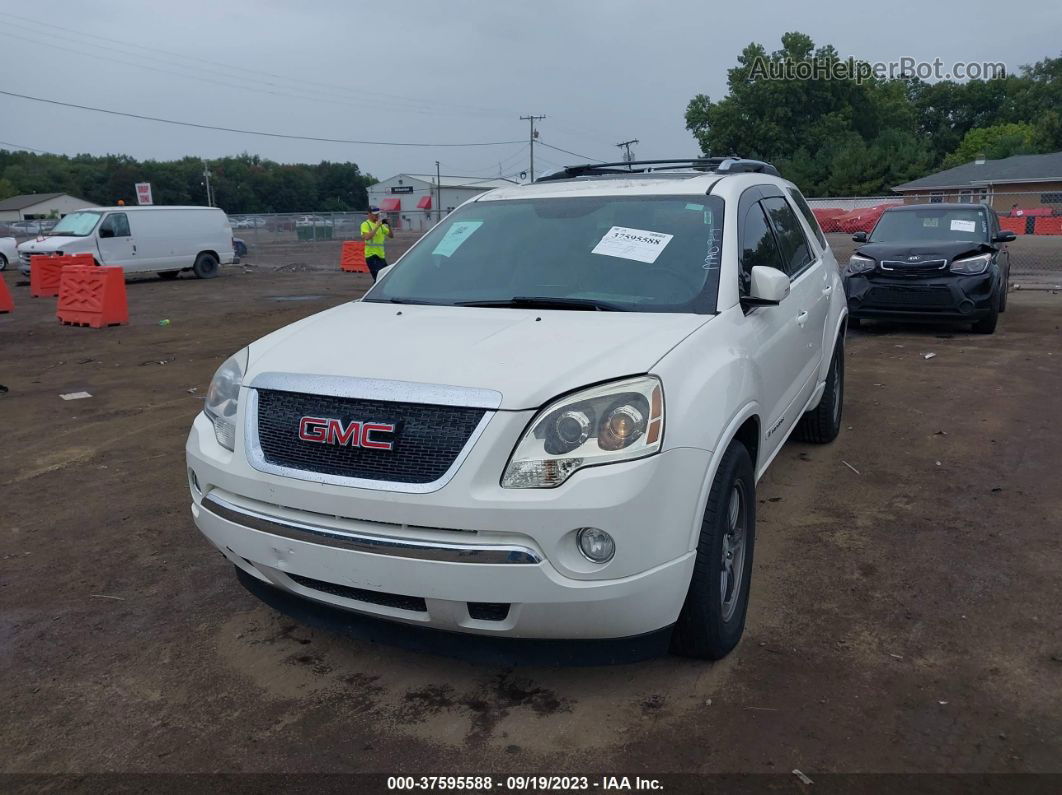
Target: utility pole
column 206, row 178
column 534, row 134
column 438, row 191
column 627, row 145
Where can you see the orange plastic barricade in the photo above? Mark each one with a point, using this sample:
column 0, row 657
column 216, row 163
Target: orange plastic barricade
column 1014, row 224
column 1048, row 225
column 45, row 270
column 92, row 297
column 352, row 257
column 6, row 302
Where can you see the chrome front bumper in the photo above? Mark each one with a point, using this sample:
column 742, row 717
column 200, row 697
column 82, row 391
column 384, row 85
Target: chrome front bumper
column 367, row 542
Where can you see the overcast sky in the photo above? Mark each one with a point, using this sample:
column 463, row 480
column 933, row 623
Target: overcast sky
column 456, row 71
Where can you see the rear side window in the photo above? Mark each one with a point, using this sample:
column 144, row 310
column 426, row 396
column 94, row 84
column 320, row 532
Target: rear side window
column 796, row 252
column 805, row 210
column 758, row 246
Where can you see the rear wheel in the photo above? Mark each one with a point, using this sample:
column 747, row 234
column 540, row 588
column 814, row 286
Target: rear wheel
column 206, row 266
column 1004, row 289
column 169, row 275
column 3, row 262
column 713, row 617
column 822, row 424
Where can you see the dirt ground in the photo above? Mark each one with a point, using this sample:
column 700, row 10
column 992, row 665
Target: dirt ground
column 904, row 615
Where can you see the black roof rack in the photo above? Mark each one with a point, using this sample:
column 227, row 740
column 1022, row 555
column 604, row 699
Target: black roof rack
column 731, row 164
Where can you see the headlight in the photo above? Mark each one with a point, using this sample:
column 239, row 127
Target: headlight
column 224, row 396
column 971, row 266
column 860, row 264
column 612, row 422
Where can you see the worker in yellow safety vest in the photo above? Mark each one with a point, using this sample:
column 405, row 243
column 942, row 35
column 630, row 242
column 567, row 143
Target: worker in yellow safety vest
column 374, row 231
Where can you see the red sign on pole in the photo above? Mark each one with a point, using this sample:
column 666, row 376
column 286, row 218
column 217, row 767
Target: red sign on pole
column 143, row 193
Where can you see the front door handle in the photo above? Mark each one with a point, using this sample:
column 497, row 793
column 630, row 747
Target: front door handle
column 801, row 319
column 827, row 290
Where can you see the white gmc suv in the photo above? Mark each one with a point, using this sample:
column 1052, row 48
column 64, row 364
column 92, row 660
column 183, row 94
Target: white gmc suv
column 547, row 419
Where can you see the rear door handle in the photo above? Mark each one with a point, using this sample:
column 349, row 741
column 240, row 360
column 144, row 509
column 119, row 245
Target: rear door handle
column 827, row 290
column 801, row 319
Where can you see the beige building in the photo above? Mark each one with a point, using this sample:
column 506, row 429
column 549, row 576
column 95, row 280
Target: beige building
column 38, row 206
column 1030, row 181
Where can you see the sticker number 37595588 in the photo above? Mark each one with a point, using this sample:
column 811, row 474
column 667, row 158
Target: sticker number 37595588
column 637, row 244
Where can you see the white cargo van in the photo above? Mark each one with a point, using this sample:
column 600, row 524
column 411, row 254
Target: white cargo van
column 167, row 240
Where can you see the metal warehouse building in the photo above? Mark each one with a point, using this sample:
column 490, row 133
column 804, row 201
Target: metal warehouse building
column 414, row 200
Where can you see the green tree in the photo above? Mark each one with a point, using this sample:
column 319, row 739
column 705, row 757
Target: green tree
column 995, row 142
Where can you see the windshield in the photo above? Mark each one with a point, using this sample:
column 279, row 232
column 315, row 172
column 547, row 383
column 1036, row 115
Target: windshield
column 931, row 224
column 77, row 224
column 633, row 253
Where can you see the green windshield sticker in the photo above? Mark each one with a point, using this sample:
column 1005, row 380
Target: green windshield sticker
column 457, row 234
column 694, row 206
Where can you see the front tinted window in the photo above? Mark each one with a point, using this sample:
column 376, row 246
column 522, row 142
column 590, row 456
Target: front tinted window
column 77, row 224
column 805, row 210
column 639, row 253
column 796, row 253
column 758, row 246
column 931, row 224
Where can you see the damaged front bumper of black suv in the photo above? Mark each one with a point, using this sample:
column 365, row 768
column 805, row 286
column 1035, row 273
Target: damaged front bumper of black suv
column 946, row 297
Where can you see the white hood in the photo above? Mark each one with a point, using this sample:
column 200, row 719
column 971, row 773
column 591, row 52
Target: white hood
column 529, row 355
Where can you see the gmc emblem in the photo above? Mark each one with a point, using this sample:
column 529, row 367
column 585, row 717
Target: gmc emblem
column 326, row 430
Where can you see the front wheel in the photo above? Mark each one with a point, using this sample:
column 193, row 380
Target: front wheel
column 822, row 424
column 3, row 262
column 713, row 617
column 205, row 267
column 987, row 324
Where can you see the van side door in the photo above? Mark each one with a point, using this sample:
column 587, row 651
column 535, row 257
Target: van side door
column 115, row 242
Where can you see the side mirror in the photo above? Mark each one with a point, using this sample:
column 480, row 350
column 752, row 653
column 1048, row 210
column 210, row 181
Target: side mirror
column 1004, row 236
column 860, row 237
column 383, row 271
column 767, row 288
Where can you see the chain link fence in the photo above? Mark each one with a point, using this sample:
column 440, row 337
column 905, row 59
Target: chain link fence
column 1035, row 218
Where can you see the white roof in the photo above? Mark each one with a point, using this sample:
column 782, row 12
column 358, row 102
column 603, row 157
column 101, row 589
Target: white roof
column 148, row 208
column 609, row 186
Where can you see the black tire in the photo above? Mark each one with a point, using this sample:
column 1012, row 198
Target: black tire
column 710, row 626
column 855, row 322
column 169, row 275
column 822, row 424
column 206, row 266
column 1003, row 290
column 3, row 262
column 987, row 324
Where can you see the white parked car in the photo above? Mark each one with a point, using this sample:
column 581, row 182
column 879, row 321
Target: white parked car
column 547, row 419
column 8, row 251
column 166, row 240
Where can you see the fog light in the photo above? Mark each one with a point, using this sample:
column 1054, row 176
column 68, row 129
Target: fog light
column 596, row 545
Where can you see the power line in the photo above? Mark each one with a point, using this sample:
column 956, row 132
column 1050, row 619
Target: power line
column 573, row 154
column 300, row 84
column 249, row 132
column 27, row 148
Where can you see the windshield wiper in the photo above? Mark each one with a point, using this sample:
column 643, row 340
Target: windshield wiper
column 399, row 301
column 546, row 302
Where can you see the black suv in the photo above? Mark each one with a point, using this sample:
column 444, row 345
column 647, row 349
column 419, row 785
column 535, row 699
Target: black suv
column 944, row 262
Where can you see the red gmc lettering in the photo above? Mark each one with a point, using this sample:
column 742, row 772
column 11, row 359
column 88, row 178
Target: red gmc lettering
column 326, row 430
column 373, row 444
column 312, row 429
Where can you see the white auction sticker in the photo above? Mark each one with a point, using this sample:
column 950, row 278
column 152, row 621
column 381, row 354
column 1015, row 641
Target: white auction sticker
column 637, row 244
column 963, row 226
